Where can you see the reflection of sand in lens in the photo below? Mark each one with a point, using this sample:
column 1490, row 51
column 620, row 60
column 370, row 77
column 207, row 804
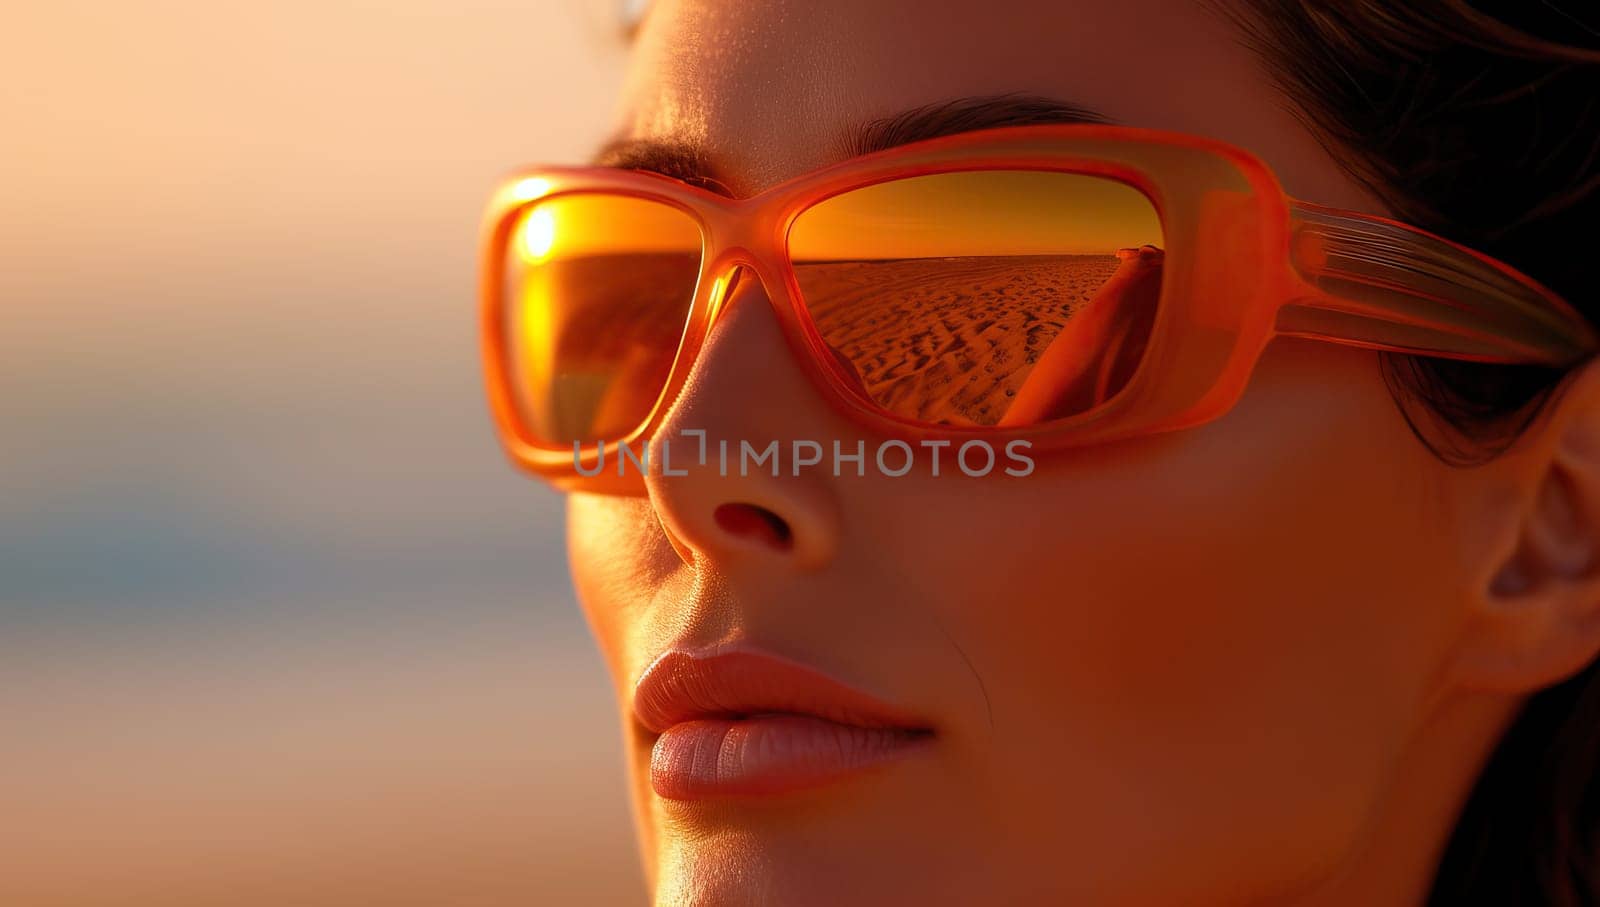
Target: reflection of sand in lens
column 943, row 291
column 949, row 340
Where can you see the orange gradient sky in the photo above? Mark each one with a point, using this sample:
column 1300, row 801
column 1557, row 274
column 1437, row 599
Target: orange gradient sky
column 278, row 623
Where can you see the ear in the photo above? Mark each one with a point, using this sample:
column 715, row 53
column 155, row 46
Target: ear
column 1535, row 609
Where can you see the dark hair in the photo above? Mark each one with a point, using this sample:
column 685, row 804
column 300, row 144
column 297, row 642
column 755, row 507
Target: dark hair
column 1479, row 121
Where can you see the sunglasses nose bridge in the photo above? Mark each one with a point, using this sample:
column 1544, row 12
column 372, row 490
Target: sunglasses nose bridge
column 734, row 262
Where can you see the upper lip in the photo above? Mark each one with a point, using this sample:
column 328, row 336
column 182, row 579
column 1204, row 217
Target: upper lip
column 682, row 686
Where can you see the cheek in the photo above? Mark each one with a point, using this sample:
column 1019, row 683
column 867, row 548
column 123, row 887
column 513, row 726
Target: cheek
column 620, row 563
column 1227, row 628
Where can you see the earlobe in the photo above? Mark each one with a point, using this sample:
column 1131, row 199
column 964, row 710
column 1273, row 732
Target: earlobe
column 1537, row 620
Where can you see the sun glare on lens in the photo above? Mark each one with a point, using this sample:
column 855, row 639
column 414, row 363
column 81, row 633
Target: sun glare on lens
column 538, row 234
column 529, row 189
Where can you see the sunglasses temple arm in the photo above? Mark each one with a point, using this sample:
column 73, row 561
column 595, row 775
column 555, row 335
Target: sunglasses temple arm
column 1376, row 283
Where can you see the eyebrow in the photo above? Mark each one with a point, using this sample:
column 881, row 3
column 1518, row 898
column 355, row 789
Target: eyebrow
column 692, row 163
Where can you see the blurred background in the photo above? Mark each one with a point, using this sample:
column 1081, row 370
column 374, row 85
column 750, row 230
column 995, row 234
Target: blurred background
column 278, row 623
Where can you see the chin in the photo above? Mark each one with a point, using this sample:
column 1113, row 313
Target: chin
column 890, row 835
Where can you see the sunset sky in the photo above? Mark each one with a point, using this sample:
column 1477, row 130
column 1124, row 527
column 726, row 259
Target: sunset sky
column 278, row 623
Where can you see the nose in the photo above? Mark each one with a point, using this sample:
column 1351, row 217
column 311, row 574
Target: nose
column 747, row 396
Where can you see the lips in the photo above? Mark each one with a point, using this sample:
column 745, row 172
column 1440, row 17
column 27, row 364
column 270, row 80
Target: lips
column 750, row 724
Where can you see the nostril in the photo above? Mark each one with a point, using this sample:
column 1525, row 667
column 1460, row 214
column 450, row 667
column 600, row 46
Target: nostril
column 751, row 521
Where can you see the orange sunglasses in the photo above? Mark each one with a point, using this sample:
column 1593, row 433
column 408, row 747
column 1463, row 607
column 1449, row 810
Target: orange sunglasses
column 1063, row 285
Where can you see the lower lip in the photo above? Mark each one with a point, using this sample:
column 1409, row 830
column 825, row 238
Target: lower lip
column 766, row 755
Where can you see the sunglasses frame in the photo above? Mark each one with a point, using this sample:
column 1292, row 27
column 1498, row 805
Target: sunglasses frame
column 1243, row 264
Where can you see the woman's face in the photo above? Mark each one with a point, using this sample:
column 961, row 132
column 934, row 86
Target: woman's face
column 1180, row 669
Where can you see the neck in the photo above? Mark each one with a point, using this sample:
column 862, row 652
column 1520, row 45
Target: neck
column 1394, row 862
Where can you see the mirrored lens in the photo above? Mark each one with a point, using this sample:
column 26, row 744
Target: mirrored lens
column 597, row 293
column 983, row 298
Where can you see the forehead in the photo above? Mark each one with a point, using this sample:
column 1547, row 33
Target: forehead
column 769, row 88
